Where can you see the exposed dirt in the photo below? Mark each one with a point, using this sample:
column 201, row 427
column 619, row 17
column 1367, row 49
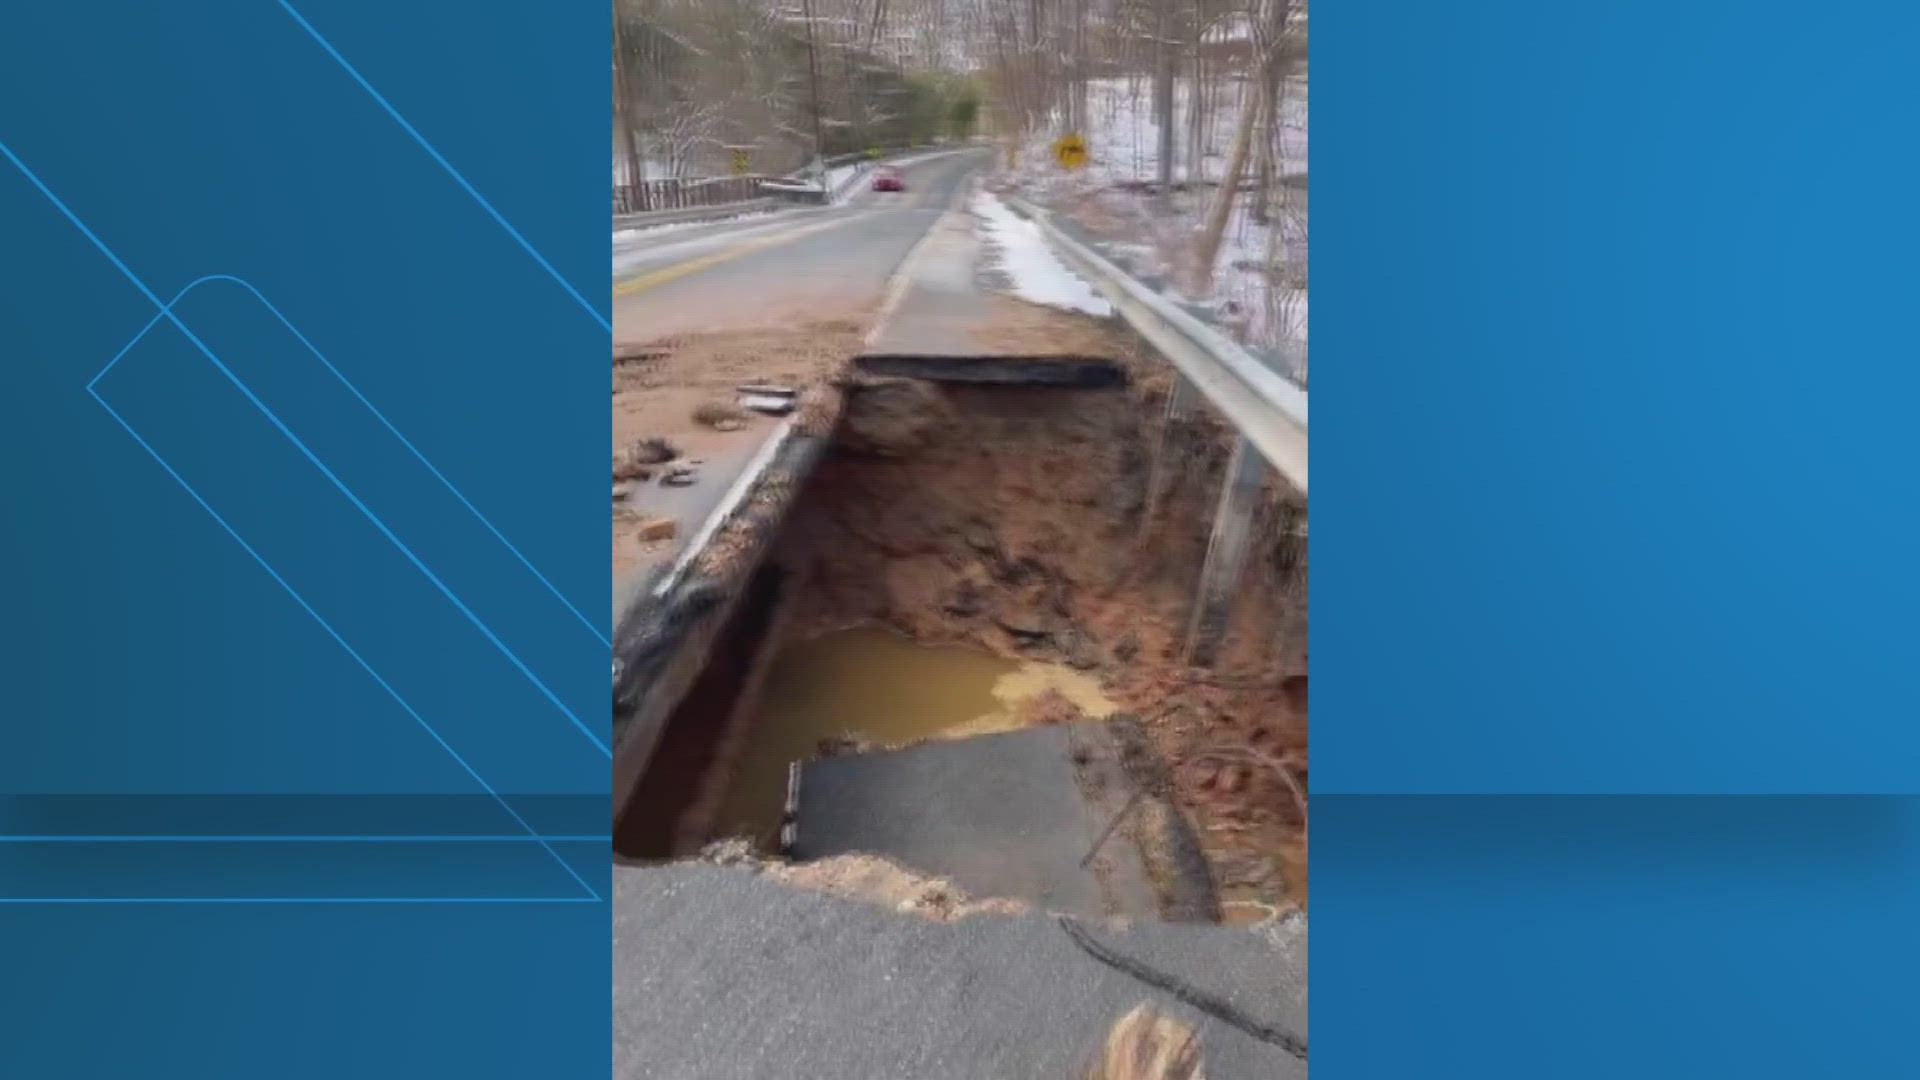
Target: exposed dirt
column 868, row 879
column 682, row 390
column 1048, row 707
column 895, row 420
column 721, row 416
column 1035, row 524
column 798, row 354
column 1017, row 328
column 1031, row 523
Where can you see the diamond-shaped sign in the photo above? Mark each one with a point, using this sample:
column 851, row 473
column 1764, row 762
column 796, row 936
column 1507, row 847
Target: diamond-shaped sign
column 1070, row 151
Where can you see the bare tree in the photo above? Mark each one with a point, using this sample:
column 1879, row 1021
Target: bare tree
column 1268, row 26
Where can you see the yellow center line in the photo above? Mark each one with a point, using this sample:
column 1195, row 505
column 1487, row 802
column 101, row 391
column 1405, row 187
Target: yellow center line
column 694, row 266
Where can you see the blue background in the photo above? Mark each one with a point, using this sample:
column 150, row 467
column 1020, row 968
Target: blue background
column 148, row 654
column 1615, row 408
column 1614, row 572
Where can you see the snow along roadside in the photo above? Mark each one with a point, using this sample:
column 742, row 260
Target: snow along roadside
column 1019, row 250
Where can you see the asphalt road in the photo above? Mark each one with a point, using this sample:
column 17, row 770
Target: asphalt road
column 766, row 270
column 812, row 263
column 720, row 974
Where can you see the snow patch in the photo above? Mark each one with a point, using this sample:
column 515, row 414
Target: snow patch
column 1258, row 289
column 621, row 236
column 1021, row 252
column 839, row 174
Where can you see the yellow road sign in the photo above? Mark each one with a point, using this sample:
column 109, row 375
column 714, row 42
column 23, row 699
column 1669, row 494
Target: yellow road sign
column 742, row 162
column 1070, row 151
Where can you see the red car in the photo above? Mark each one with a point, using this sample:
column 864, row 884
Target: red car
column 887, row 178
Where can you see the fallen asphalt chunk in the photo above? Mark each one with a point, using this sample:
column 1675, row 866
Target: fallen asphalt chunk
column 769, row 389
column 771, row 404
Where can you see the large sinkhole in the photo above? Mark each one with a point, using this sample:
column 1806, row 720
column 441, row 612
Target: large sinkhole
column 980, row 551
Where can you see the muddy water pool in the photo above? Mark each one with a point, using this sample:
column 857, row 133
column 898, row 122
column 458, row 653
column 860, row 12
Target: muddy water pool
column 877, row 686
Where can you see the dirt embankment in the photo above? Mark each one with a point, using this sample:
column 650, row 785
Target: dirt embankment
column 1036, row 524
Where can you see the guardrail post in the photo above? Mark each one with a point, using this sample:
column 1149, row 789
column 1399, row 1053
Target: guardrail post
column 1227, row 549
column 1292, row 567
column 1181, row 397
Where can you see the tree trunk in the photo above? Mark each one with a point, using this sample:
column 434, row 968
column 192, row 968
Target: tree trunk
column 1163, row 99
column 1273, row 72
column 623, row 114
column 1215, row 229
column 1196, row 111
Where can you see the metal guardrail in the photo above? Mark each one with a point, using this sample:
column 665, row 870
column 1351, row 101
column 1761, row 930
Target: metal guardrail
column 652, row 218
column 684, row 193
column 1270, row 411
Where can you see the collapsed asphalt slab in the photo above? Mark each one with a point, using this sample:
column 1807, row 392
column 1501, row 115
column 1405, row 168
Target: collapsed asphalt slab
column 1056, row 815
column 723, row 974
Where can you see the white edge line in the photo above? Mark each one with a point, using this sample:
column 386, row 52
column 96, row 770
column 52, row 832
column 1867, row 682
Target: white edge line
column 735, row 495
column 896, row 290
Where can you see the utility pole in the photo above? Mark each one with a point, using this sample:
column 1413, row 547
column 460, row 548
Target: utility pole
column 813, row 82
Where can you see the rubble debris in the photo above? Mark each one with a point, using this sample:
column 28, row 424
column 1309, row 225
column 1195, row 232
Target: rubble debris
column 658, row 528
column 658, row 397
column 768, row 389
column 881, row 881
column 655, row 451
column 636, row 354
column 865, row 878
column 731, row 851
column 635, row 462
column 1050, row 706
column 851, row 742
column 771, row 404
column 720, row 417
